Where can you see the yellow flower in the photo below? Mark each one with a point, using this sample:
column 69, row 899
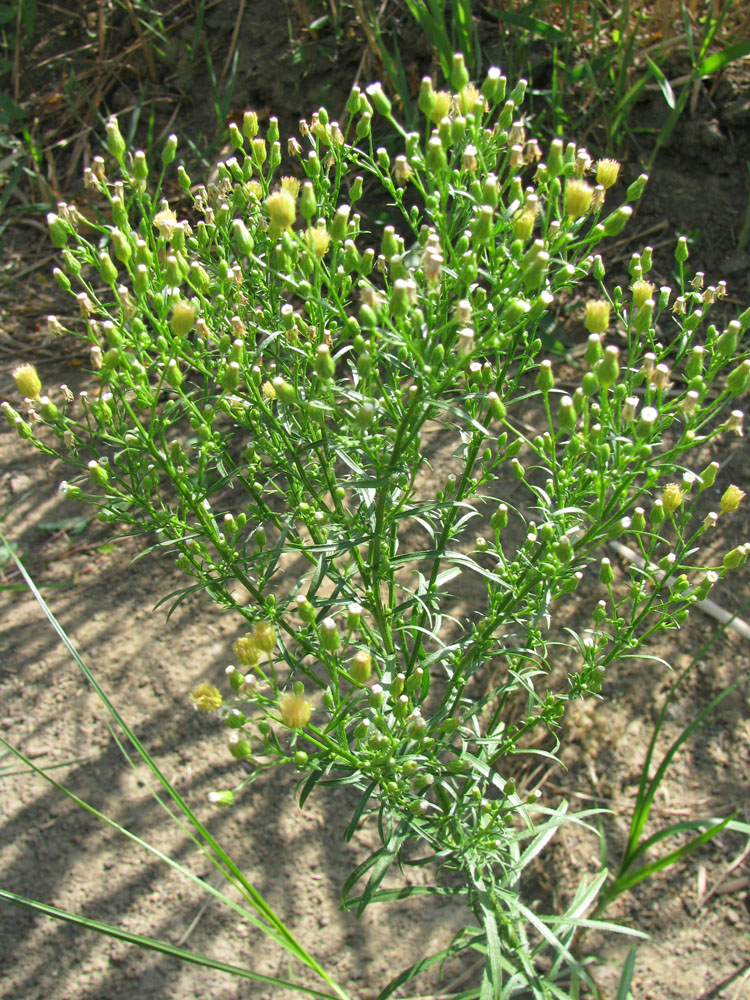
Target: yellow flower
column 281, row 209
column 443, row 102
column 206, row 698
column 27, row 381
column 578, row 195
column 732, row 498
column 166, row 222
column 642, row 292
column 295, row 710
column 607, row 172
column 246, row 651
column 264, row 636
column 183, row 318
column 268, row 391
column 468, row 99
column 291, row 185
column 597, row 316
column 672, row 497
column 318, row 240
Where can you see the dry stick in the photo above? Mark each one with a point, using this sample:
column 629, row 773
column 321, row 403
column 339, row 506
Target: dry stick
column 708, row 606
column 235, row 36
column 727, row 871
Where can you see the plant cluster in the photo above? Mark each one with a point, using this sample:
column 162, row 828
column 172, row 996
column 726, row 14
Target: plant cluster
column 271, row 376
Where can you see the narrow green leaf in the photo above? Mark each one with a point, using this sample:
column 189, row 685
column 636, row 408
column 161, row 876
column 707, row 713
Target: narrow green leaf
column 153, row 944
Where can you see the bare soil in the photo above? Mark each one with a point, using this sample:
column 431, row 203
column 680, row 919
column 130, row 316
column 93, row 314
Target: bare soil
column 696, row 913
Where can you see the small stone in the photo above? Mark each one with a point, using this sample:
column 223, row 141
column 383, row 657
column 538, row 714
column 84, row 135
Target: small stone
column 19, row 483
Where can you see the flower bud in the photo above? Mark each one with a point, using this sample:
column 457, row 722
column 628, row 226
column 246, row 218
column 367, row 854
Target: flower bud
column 606, row 574
column 735, row 558
column 608, row 369
column 637, row 188
column 379, row 101
column 330, row 639
column 459, row 74
column 361, row 667
column 739, row 379
column 325, row 367
column 115, row 142
column 169, row 151
column 614, row 224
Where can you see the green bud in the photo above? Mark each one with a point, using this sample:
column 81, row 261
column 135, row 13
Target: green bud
column 545, row 380
column 614, row 224
column 606, row 574
column 58, row 229
column 459, row 74
column 170, row 150
column 735, row 558
column 637, row 188
column 241, row 238
column 107, row 269
column 608, row 369
column 566, row 415
column 739, row 379
column 325, row 367
column 379, row 101
column 436, row 160
column 340, row 224
column 115, row 142
column 708, row 476
column 681, row 250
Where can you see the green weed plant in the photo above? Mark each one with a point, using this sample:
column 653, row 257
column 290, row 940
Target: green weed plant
column 268, row 376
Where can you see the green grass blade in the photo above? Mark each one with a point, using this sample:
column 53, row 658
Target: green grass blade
column 623, row 987
column 220, row 858
column 153, row 944
column 714, row 63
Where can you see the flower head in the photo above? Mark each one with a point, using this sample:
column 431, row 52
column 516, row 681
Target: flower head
column 295, row 709
column 732, row 498
column 578, row 195
column 607, row 172
column 27, row 381
column 281, row 209
column 206, row 698
column 246, row 650
column 597, row 315
column 672, row 497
